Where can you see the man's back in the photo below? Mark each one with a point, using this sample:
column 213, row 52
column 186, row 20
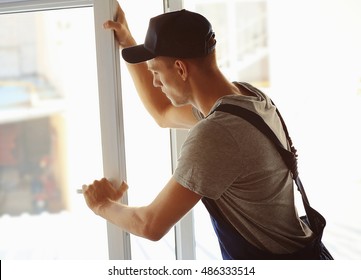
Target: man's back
column 231, row 162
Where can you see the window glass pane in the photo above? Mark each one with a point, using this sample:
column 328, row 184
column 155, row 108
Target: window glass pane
column 242, row 36
column 147, row 146
column 49, row 136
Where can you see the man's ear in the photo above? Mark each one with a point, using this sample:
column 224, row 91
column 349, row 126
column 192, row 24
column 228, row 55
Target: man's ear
column 182, row 69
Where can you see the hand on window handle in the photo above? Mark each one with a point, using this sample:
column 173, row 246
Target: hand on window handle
column 101, row 193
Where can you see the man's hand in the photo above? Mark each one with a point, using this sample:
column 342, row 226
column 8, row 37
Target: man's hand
column 121, row 29
column 99, row 194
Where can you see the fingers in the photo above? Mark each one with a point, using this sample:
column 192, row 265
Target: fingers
column 84, row 188
column 120, row 16
column 103, row 190
column 121, row 30
column 123, row 188
column 109, row 24
column 100, row 194
column 117, row 22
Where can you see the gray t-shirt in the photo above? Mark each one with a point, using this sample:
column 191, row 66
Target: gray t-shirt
column 226, row 159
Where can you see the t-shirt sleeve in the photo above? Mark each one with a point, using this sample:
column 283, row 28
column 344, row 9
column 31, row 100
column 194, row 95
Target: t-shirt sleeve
column 208, row 160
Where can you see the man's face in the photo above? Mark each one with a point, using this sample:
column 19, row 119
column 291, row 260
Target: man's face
column 166, row 77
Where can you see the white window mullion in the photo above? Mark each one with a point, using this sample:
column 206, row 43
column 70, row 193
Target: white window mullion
column 111, row 116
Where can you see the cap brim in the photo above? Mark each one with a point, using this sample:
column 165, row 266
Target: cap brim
column 137, row 54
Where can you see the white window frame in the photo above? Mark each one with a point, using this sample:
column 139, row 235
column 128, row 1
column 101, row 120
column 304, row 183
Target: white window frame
column 19, row 6
column 110, row 101
column 111, row 117
column 111, row 113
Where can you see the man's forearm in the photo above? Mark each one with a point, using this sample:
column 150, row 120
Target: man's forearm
column 152, row 98
column 134, row 220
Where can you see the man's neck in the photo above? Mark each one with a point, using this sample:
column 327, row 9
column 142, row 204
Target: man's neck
column 208, row 91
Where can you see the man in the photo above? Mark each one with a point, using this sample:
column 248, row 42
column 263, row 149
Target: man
column 225, row 161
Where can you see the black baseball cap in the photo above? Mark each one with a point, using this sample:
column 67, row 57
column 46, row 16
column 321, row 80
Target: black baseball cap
column 181, row 34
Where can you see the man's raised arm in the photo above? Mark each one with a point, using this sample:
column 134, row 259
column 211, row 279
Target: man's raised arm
column 156, row 103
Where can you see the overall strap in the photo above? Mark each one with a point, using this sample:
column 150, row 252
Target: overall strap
column 316, row 220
